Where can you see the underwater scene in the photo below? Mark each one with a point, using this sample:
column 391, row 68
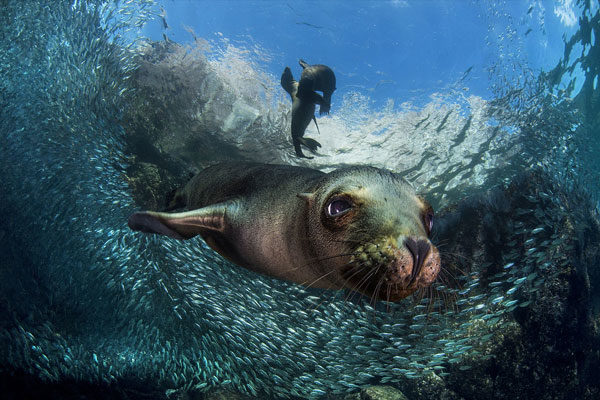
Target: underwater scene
column 300, row 200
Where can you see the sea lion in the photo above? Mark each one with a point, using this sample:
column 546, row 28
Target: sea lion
column 317, row 77
column 303, row 111
column 360, row 228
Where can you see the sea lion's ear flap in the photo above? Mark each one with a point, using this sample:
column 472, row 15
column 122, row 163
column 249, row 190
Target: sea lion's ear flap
column 308, row 197
column 183, row 225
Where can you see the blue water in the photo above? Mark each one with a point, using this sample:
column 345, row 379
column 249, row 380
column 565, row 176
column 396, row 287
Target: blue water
column 407, row 50
column 469, row 99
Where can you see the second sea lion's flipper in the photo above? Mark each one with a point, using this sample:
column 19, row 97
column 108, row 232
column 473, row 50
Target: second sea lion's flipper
column 298, row 149
column 312, row 144
column 287, row 81
column 317, row 125
column 183, row 225
column 313, row 97
column 324, row 108
column 324, row 104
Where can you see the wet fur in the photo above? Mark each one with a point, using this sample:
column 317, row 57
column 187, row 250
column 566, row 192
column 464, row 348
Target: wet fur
column 269, row 219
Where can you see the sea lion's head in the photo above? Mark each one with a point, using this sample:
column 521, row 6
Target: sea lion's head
column 370, row 231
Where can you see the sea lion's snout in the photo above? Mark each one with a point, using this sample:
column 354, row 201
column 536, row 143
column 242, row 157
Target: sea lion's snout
column 388, row 271
column 416, row 266
column 426, row 262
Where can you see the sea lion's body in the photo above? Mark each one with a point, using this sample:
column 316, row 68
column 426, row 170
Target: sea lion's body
column 263, row 192
column 317, row 77
column 359, row 228
column 304, row 98
column 303, row 111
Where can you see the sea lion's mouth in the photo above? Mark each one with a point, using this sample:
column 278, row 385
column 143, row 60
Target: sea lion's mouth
column 383, row 271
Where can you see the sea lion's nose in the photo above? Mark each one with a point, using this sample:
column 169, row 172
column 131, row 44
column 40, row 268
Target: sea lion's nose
column 419, row 249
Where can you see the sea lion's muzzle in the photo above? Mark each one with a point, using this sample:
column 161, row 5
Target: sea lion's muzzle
column 416, row 266
column 388, row 272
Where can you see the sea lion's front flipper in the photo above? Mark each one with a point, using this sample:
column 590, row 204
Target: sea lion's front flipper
column 183, row 225
column 287, row 81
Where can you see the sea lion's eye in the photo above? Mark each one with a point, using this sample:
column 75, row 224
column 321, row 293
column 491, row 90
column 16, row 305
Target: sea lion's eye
column 428, row 220
column 338, row 206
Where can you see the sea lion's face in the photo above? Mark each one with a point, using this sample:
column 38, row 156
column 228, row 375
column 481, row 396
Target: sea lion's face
column 373, row 233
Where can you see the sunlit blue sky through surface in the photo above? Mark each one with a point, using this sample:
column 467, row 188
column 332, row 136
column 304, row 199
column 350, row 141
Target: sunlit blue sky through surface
column 403, row 50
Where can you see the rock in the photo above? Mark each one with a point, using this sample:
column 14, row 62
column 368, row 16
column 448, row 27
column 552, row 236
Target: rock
column 223, row 394
column 151, row 185
column 381, row 393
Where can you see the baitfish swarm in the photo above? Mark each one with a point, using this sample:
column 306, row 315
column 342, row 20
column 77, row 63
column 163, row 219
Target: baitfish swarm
column 85, row 298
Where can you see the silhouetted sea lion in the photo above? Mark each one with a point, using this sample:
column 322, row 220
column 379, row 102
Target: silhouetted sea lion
column 317, row 77
column 360, row 228
column 303, row 111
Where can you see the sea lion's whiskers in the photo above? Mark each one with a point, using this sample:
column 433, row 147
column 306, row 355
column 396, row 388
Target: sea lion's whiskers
column 318, row 279
column 353, row 289
column 351, row 293
column 417, row 296
column 321, row 300
column 365, row 279
column 388, row 295
column 447, row 298
column 358, row 268
column 424, row 293
column 334, row 256
column 318, row 259
column 444, row 273
column 352, row 241
column 428, row 293
column 442, row 243
column 458, row 257
column 346, row 241
column 375, row 295
column 447, row 268
column 449, row 278
column 345, row 271
column 450, row 301
column 321, row 295
column 455, row 268
column 433, row 295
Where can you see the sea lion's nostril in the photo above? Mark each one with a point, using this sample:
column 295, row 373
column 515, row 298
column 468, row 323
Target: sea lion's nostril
column 419, row 250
